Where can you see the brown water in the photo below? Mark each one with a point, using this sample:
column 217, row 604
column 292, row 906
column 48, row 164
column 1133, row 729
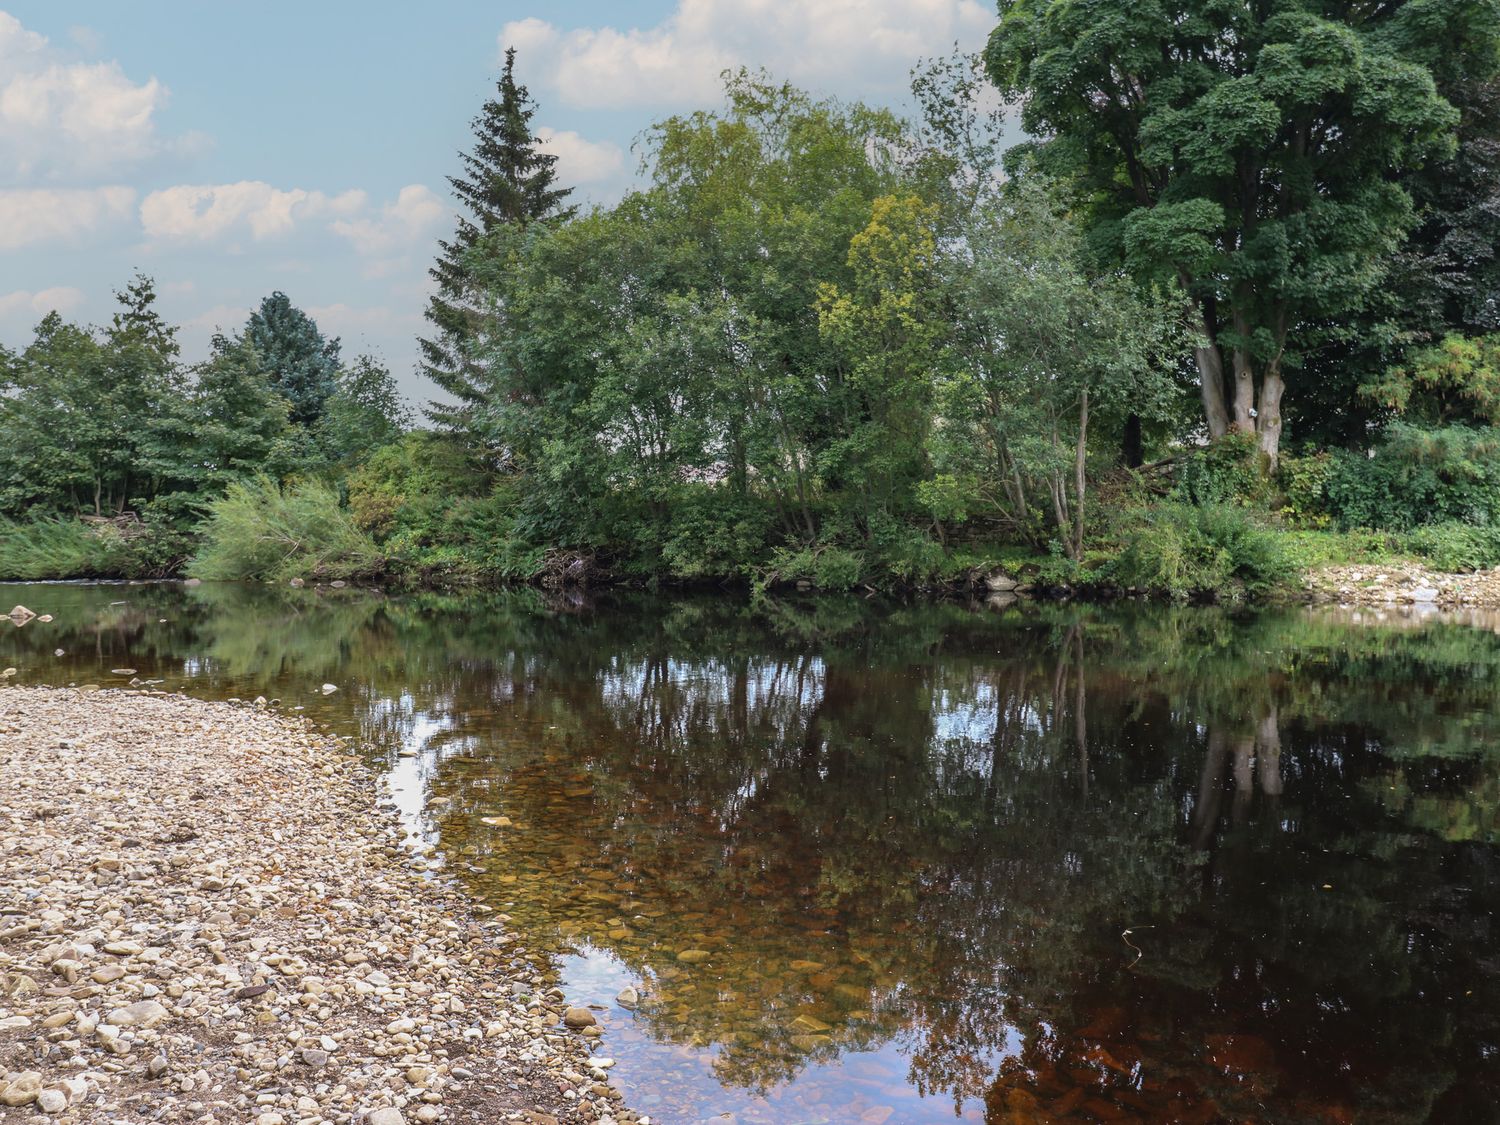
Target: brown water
column 927, row 863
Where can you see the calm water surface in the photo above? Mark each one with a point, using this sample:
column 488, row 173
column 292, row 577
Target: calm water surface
column 927, row 863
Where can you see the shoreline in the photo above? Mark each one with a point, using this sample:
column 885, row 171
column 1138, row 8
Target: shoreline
column 210, row 919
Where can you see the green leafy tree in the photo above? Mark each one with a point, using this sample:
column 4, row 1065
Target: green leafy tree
column 232, row 425
column 887, row 326
column 1250, row 153
column 301, row 363
column 366, row 412
column 506, row 181
column 1043, row 349
column 78, row 406
column 659, row 371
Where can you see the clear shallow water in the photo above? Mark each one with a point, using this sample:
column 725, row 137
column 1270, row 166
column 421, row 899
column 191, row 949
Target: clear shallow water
column 903, row 846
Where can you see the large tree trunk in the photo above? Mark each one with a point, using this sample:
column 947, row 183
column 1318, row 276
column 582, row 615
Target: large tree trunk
column 1244, row 392
column 1211, row 382
column 1268, row 417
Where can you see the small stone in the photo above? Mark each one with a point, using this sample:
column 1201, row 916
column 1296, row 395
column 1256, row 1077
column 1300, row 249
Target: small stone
column 52, row 1101
column 143, row 1013
column 579, row 1017
column 693, row 956
column 427, row 1114
column 628, row 997
column 312, row 1056
column 329, row 689
column 157, row 1066
column 385, row 1116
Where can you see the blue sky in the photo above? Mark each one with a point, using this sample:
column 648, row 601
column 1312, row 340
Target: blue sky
column 231, row 149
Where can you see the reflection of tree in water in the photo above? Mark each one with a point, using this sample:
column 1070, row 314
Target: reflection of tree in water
column 920, row 825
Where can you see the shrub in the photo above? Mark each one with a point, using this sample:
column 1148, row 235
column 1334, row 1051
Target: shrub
column 1419, row 476
column 1188, row 551
column 1457, row 547
column 1304, row 489
column 260, row 530
column 1226, row 471
column 50, row 548
column 713, row 533
column 827, row 568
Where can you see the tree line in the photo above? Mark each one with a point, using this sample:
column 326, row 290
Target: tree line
column 1242, row 274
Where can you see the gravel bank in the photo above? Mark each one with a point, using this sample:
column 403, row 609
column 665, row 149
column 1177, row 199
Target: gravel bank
column 1404, row 583
column 204, row 917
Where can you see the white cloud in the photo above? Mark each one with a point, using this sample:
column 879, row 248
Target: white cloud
column 204, row 212
column 581, row 161
column 69, row 120
column 410, row 218
column 43, row 214
column 34, row 306
column 850, row 47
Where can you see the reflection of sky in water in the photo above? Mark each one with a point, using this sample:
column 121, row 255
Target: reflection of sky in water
column 654, row 1075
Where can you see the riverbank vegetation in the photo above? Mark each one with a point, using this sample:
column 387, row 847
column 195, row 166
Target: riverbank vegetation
column 1232, row 309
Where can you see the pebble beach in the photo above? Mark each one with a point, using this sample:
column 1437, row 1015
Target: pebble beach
column 207, row 917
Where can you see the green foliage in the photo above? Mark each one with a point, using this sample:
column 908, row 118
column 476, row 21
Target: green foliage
column 1226, row 471
column 1456, row 546
column 826, row 568
column 1416, row 477
column 1249, row 154
column 57, row 548
column 1042, row 349
column 1456, row 380
column 260, row 530
column 364, row 413
column 1219, row 551
column 301, row 363
column 507, row 181
column 1303, row 481
column 60, row 548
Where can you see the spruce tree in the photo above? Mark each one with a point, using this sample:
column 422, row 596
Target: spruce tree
column 506, row 180
column 302, row 363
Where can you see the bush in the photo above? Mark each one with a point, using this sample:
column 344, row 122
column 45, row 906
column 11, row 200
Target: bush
column 1187, row 551
column 713, row 533
column 260, row 530
column 827, row 568
column 1457, row 547
column 1304, row 489
column 39, row 549
column 1226, row 471
column 1419, row 476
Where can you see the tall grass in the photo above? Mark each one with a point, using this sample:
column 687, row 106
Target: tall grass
column 45, row 548
column 263, row 531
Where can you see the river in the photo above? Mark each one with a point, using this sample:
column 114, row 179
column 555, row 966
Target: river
column 869, row 862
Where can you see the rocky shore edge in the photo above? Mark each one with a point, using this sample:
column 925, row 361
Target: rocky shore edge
column 206, row 917
column 1402, row 583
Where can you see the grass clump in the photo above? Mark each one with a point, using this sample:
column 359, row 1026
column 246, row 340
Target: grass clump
column 259, row 530
column 48, row 548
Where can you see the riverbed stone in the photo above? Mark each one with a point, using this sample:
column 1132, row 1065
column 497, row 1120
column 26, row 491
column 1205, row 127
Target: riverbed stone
column 248, row 883
column 24, row 1089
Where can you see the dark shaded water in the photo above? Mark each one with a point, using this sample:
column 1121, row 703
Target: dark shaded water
column 934, row 862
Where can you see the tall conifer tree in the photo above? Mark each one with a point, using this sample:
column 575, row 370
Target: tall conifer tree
column 506, row 179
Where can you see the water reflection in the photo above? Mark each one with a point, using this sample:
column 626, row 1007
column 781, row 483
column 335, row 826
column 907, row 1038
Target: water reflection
column 883, row 863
